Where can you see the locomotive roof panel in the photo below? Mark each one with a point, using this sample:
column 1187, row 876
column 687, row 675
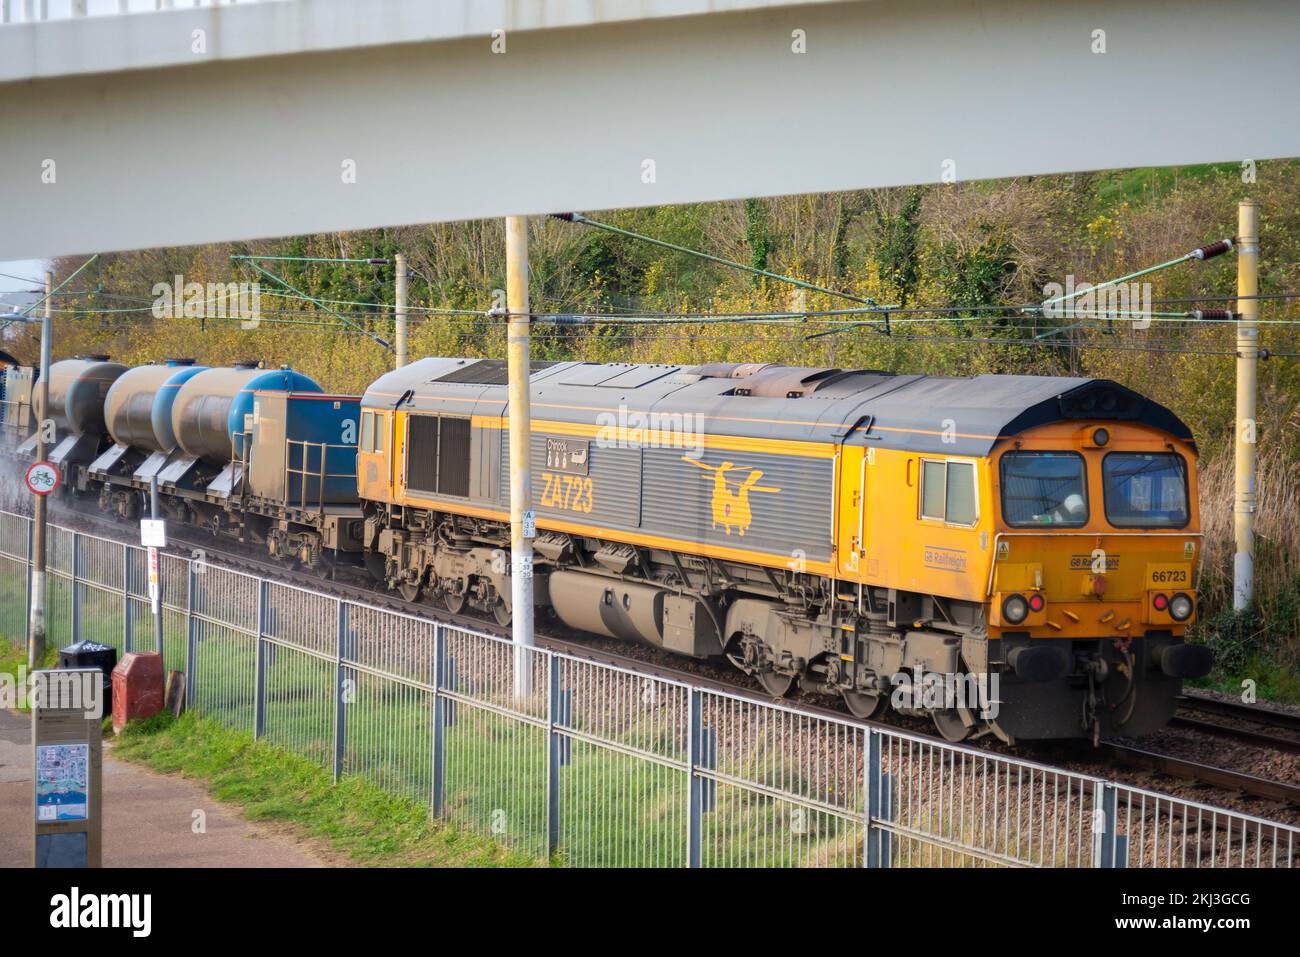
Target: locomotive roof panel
column 913, row 412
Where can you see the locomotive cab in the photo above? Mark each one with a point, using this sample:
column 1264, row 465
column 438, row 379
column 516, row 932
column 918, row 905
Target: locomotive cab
column 1092, row 579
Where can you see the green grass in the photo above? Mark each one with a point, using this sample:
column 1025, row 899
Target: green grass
column 13, row 655
column 1152, row 182
column 352, row 817
column 1273, row 682
column 1254, row 644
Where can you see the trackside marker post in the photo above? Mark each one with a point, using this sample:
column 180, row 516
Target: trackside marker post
column 1244, row 504
column 400, row 336
column 520, row 425
column 153, row 536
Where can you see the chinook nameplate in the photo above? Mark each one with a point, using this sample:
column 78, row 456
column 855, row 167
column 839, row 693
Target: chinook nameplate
column 567, row 455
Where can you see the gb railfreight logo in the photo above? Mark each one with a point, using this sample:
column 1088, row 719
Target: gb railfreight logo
column 730, row 502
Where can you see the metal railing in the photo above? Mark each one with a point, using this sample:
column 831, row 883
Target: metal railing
column 596, row 765
column 300, row 480
column 17, row 420
column 308, row 478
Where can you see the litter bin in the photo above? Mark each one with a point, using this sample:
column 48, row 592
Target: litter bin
column 91, row 654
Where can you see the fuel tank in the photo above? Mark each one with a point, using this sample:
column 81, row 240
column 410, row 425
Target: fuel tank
column 141, row 400
column 78, row 388
column 214, row 408
column 609, row 606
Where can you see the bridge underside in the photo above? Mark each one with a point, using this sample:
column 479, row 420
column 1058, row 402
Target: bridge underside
column 321, row 115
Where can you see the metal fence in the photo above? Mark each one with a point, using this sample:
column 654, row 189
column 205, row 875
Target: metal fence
column 594, row 765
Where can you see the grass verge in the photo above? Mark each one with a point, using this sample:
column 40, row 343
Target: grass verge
column 13, row 655
column 353, row 817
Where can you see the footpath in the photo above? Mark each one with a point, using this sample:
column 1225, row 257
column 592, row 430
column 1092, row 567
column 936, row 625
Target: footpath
column 149, row 818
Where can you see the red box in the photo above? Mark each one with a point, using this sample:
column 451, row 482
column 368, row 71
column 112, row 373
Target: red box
column 137, row 687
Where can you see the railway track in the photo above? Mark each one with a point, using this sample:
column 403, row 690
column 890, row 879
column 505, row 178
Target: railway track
column 233, row 555
column 1251, row 723
column 1188, row 770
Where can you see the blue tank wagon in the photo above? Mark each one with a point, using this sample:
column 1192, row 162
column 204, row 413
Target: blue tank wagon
column 302, row 473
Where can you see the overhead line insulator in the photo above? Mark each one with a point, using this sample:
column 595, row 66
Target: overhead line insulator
column 1211, row 250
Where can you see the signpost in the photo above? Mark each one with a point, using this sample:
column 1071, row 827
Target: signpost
column 41, row 471
column 67, row 812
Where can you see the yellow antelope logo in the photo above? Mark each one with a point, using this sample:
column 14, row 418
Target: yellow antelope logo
column 731, row 498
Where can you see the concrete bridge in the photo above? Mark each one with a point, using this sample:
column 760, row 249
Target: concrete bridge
column 179, row 126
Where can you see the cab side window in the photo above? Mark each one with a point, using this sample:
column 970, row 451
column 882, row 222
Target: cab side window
column 959, row 494
column 367, row 431
column 381, row 427
column 948, row 492
column 933, row 478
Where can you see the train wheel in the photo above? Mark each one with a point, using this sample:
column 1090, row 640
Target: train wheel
column 410, row 591
column 501, row 613
column 864, row 704
column 950, row 725
column 453, row 602
column 778, row 686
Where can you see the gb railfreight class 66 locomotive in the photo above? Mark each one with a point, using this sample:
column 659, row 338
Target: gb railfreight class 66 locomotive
column 1007, row 554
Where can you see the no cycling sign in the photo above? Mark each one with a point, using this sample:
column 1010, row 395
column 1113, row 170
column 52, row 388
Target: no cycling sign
column 42, row 478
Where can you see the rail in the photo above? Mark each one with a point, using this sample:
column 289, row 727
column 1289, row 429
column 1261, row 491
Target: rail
column 596, row 764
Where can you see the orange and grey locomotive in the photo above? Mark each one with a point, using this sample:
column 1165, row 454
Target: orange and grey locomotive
column 1006, row 554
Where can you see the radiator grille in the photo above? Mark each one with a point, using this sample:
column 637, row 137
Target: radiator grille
column 422, row 453
column 453, row 457
column 437, row 454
